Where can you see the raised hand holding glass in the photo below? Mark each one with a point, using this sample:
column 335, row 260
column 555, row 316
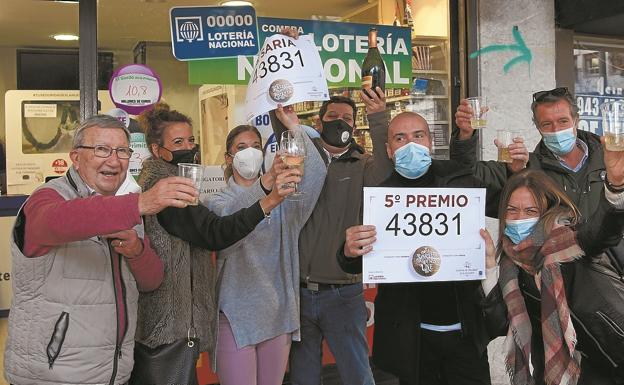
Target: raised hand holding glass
column 292, row 151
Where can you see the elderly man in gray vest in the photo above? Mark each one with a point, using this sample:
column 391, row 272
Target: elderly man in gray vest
column 79, row 258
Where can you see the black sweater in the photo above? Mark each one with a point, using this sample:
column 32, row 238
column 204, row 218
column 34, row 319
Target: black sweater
column 202, row 228
column 196, row 224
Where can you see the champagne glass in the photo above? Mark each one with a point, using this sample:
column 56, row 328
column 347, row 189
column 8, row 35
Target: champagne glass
column 292, row 151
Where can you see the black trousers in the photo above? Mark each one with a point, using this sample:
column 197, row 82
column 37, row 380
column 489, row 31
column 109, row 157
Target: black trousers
column 448, row 359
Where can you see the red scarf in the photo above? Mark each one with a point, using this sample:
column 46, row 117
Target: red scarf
column 540, row 255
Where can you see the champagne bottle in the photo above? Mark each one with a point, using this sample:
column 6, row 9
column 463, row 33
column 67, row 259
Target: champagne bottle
column 373, row 68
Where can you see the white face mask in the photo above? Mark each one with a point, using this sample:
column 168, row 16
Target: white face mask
column 248, row 162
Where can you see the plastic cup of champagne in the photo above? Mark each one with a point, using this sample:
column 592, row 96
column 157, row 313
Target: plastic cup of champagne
column 505, row 138
column 193, row 171
column 479, row 112
column 613, row 125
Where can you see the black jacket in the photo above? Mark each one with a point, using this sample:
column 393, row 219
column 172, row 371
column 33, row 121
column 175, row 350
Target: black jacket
column 339, row 204
column 397, row 306
column 584, row 187
column 589, row 290
column 198, row 225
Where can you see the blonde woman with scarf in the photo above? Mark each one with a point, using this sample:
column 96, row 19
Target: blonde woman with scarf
column 543, row 250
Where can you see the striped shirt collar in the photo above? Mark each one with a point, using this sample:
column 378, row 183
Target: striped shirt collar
column 583, row 146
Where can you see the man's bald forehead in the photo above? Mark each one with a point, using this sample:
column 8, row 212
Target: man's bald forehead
column 410, row 118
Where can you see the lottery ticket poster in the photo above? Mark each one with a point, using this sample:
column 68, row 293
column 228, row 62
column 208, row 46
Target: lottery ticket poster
column 425, row 234
column 287, row 71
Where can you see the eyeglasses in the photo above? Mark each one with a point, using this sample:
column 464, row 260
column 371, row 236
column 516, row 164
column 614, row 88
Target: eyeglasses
column 103, row 151
column 557, row 92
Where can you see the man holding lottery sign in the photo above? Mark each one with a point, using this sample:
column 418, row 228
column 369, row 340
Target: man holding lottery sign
column 443, row 320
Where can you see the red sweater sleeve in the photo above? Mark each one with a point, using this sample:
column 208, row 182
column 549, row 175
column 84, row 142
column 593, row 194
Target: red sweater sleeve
column 147, row 268
column 52, row 221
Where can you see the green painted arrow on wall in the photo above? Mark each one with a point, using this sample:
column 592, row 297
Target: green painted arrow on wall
column 520, row 46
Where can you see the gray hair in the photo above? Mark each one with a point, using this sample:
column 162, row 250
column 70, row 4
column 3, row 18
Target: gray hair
column 100, row 121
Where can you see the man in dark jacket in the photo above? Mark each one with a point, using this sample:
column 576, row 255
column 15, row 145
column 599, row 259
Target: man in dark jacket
column 571, row 157
column 332, row 304
column 443, row 320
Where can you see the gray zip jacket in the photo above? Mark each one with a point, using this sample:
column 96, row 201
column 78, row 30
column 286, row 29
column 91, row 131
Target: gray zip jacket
column 64, row 301
column 259, row 275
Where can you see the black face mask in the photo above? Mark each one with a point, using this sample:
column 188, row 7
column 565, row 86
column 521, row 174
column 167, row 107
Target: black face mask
column 337, row 133
column 183, row 156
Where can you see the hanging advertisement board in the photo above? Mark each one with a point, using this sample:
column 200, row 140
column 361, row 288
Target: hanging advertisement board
column 207, row 32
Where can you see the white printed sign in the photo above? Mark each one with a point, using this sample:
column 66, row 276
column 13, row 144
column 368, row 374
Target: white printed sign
column 39, row 110
column 140, row 153
column 287, row 71
column 425, row 234
column 212, row 181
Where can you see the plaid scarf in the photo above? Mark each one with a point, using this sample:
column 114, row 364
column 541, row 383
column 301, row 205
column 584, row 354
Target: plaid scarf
column 540, row 254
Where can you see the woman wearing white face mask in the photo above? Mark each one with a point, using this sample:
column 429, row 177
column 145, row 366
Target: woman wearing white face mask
column 244, row 156
column 259, row 276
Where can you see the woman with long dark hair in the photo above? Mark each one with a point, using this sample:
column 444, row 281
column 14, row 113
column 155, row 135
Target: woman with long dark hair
column 546, row 300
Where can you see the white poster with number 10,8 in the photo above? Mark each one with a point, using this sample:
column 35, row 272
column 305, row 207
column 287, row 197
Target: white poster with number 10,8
column 425, row 234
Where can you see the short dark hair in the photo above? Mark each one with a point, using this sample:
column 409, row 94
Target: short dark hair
column 338, row 99
column 553, row 96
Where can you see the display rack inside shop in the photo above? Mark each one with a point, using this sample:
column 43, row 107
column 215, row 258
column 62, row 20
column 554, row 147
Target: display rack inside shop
column 430, row 89
column 395, row 99
column 428, row 96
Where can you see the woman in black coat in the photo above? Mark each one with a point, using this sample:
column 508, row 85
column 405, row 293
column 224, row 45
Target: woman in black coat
column 557, row 297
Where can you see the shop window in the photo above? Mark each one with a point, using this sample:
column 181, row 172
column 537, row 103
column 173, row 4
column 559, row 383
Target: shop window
column 591, row 63
column 599, row 70
column 39, row 79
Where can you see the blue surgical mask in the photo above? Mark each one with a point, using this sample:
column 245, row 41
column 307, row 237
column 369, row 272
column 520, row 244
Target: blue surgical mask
column 312, row 133
column 412, row 160
column 518, row 230
column 560, row 142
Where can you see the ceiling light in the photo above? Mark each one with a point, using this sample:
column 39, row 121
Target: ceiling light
column 65, row 37
column 236, row 3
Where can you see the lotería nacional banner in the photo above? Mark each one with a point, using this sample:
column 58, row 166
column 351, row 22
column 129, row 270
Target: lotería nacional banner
column 209, row 32
column 342, row 47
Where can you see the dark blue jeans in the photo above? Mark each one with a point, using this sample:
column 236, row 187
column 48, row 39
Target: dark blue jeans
column 337, row 314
